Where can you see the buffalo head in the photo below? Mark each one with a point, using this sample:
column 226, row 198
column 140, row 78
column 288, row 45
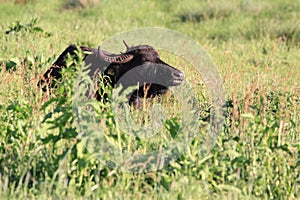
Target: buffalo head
column 141, row 65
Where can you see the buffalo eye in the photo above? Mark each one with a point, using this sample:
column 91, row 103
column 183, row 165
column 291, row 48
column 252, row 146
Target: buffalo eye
column 111, row 72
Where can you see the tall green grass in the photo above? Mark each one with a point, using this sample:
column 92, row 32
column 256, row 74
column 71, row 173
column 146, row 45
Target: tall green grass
column 255, row 45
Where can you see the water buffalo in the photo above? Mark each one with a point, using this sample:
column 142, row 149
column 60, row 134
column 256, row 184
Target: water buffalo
column 138, row 65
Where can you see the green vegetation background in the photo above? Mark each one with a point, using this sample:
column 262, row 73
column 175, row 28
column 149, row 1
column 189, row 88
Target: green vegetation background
column 256, row 46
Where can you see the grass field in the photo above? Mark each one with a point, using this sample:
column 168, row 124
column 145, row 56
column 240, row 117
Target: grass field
column 256, row 47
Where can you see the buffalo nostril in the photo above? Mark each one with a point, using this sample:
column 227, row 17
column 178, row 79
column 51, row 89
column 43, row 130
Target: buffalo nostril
column 179, row 75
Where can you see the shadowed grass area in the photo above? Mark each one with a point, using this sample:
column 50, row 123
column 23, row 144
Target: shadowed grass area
column 255, row 45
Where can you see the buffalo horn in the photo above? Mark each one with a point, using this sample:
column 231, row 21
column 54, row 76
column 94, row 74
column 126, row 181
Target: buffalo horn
column 120, row 58
column 126, row 45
